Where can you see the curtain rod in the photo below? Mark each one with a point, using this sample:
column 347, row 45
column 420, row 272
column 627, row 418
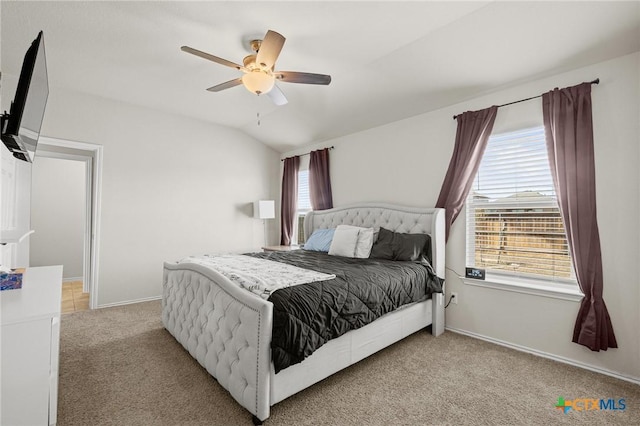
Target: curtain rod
column 596, row 81
column 300, row 155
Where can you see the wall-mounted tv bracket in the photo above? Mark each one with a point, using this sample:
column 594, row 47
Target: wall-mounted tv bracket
column 4, row 119
column 11, row 145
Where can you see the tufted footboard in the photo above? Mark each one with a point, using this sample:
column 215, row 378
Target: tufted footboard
column 225, row 328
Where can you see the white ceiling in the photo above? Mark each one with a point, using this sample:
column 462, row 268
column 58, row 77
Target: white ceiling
column 388, row 60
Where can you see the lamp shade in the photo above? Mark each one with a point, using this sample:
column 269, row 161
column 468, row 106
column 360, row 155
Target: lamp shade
column 264, row 209
column 258, row 81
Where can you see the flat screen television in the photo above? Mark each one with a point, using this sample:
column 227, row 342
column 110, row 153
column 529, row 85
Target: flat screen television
column 21, row 127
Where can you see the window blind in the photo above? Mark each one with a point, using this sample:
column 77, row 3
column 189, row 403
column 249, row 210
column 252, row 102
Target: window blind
column 514, row 225
column 304, row 203
column 304, row 199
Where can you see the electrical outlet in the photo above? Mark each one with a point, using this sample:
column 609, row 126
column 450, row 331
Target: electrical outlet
column 454, row 298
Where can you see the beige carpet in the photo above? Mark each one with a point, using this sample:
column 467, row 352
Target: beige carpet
column 118, row 366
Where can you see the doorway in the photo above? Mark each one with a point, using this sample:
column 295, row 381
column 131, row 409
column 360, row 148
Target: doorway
column 91, row 156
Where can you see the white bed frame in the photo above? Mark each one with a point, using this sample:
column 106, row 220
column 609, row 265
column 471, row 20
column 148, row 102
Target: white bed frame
column 228, row 329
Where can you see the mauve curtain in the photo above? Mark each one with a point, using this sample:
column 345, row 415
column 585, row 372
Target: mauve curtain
column 474, row 129
column 319, row 180
column 569, row 135
column 289, row 203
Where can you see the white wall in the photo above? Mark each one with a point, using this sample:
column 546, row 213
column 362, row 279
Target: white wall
column 171, row 187
column 405, row 162
column 15, row 220
column 58, row 214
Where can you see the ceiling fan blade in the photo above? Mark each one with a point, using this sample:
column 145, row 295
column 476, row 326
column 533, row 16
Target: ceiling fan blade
column 277, row 96
column 227, row 85
column 210, row 57
column 270, row 49
column 303, row 77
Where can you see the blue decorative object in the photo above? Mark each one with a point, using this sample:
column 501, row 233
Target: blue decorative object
column 10, row 280
column 320, row 240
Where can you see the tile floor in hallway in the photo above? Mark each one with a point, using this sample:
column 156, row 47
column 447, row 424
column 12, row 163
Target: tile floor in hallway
column 73, row 299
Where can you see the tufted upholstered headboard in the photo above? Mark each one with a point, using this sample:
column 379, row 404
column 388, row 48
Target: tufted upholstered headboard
column 410, row 220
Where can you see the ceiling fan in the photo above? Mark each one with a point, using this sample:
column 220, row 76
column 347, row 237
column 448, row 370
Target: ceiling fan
column 259, row 75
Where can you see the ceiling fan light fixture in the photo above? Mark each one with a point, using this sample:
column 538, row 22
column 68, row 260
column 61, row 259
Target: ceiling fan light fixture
column 259, row 69
column 258, row 81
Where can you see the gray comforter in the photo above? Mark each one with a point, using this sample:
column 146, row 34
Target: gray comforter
column 307, row 316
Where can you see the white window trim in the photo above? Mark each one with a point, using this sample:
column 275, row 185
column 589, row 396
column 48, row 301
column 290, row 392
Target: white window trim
column 537, row 287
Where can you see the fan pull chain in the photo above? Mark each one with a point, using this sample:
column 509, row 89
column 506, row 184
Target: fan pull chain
column 258, row 115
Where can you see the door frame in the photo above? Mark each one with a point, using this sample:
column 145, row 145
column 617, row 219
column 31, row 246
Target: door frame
column 91, row 155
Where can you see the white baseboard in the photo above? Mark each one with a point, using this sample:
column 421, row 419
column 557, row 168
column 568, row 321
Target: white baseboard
column 129, row 302
column 547, row 355
column 68, row 280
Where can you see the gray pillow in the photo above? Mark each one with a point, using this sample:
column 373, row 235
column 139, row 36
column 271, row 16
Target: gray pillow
column 397, row 246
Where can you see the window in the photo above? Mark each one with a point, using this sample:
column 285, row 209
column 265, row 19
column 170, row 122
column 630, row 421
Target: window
column 514, row 225
column 304, row 202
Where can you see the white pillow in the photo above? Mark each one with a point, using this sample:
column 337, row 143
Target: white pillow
column 364, row 242
column 344, row 242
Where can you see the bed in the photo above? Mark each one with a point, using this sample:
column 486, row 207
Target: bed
column 228, row 330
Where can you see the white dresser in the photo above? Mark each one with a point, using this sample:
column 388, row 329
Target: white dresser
column 29, row 348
